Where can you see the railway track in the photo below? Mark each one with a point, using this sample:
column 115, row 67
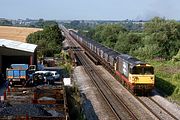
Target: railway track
column 160, row 113
column 155, row 108
column 94, row 76
column 116, row 104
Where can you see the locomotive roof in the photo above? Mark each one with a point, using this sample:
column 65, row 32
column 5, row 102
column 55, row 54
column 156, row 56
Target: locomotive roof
column 130, row 59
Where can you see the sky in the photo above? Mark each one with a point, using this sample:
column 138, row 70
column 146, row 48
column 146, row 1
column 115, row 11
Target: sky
column 89, row 9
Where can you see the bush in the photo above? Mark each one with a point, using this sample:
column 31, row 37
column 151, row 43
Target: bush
column 177, row 57
column 146, row 52
column 176, row 77
column 49, row 40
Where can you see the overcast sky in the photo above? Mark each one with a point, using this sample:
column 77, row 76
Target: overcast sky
column 89, row 9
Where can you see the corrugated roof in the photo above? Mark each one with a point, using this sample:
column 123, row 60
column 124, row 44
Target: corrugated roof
column 17, row 45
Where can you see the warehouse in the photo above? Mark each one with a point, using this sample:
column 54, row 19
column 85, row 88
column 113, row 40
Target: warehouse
column 15, row 52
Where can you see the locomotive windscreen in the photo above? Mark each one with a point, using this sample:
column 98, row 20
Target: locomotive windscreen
column 142, row 70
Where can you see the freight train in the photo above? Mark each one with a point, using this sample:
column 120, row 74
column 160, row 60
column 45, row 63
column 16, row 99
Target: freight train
column 136, row 75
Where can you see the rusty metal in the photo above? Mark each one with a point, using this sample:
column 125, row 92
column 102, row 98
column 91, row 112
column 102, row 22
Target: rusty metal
column 42, row 95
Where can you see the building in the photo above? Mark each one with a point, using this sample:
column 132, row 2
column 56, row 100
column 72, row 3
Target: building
column 15, row 52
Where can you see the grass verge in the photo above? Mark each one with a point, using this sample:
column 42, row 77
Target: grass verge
column 168, row 78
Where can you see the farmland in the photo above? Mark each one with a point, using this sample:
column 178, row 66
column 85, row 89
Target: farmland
column 16, row 33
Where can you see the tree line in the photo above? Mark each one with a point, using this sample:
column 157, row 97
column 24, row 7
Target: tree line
column 159, row 38
column 49, row 40
column 4, row 22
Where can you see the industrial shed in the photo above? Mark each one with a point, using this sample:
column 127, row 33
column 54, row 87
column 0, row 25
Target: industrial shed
column 15, row 52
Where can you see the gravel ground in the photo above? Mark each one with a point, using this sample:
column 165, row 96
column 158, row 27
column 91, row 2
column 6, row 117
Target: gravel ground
column 4, row 105
column 19, row 103
column 92, row 100
column 23, row 109
column 138, row 109
column 156, row 109
column 173, row 108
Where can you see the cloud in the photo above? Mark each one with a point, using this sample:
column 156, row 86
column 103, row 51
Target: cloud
column 160, row 8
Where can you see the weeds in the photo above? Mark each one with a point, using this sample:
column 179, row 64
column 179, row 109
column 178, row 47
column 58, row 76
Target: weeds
column 168, row 78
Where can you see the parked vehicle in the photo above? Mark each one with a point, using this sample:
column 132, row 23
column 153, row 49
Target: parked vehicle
column 46, row 77
column 19, row 74
column 49, row 78
column 37, row 78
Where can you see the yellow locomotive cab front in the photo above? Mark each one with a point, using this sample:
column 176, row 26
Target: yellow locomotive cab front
column 141, row 79
column 142, row 74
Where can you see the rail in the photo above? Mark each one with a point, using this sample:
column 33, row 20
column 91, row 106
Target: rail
column 116, row 104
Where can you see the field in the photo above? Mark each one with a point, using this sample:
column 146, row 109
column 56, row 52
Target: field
column 167, row 78
column 16, row 33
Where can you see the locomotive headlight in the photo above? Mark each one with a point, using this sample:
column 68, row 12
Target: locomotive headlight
column 135, row 79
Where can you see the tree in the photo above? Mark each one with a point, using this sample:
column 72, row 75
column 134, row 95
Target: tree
column 158, row 38
column 42, row 23
column 49, row 40
column 164, row 33
column 128, row 42
column 108, row 34
column 5, row 22
column 122, row 43
column 147, row 51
